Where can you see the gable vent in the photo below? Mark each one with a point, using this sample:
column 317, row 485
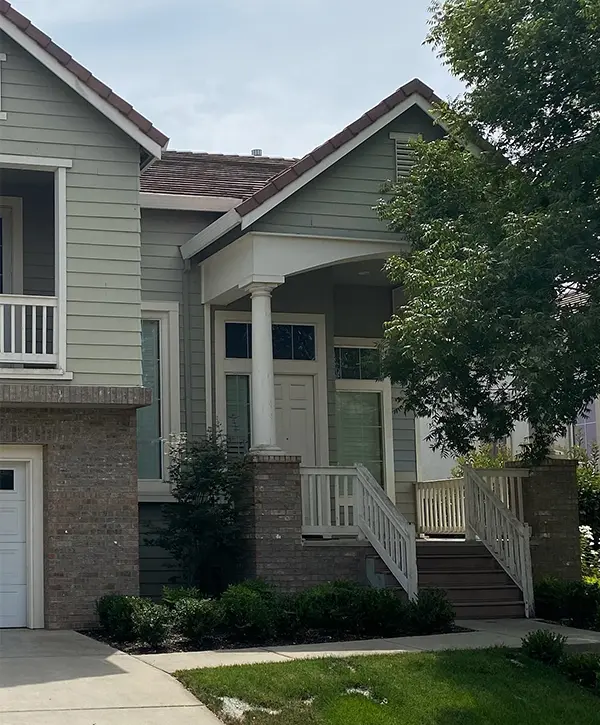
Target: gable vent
column 404, row 153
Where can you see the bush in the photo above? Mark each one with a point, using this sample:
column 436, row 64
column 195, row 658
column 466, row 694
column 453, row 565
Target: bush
column 116, row 615
column 544, row 646
column 487, row 455
column 431, row 612
column 574, row 602
column 152, row 623
column 583, row 668
column 172, row 595
column 250, row 611
column 197, row 619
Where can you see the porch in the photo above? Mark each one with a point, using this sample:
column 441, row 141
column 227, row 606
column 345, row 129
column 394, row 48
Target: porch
column 32, row 269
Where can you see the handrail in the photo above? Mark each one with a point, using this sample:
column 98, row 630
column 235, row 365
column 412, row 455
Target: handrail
column 388, row 532
column 501, row 532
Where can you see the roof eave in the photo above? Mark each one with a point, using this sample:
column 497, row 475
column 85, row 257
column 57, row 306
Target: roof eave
column 212, row 233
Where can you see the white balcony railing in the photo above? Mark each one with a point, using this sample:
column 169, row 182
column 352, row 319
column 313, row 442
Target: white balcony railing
column 28, row 330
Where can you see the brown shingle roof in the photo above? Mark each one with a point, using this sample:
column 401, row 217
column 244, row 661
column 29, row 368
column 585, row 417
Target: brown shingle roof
column 83, row 74
column 201, row 174
column 347, row 134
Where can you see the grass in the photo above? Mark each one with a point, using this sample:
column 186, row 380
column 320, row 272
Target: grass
column 483, row 687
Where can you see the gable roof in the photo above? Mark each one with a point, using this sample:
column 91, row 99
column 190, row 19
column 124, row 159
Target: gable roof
column 299, row 173
column 16, row 24
column 218, row 175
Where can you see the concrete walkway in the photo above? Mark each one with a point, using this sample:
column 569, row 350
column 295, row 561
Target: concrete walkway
column 501, row 632
column 64, row 678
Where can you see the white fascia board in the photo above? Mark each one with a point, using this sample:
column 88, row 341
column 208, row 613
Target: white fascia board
column 253, row 216
column 187, row 202
column 59, row 70
column 209, row 235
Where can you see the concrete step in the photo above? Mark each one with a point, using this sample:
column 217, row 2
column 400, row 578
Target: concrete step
column 449, row 562
column 482, row 594
column 429, row 547
column 452, row 577
column 490, row 610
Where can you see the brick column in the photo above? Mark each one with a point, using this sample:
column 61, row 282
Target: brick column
column 273, row 526
column 551, row 508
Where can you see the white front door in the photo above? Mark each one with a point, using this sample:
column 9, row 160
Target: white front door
column 295, row 416
column 13, row 545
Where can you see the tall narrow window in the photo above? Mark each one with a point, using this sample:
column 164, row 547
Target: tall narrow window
column 585, row 429
column 237, row 389
column 360, row 431
column 149, row 426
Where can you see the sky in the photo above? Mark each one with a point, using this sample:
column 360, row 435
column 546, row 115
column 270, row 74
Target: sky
column 227, row 76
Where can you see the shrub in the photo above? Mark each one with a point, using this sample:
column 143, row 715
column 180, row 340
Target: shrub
column 574, row 602
column 152, row 623
column 544, row 646
column 590, row 555
column 487, row 455
column 116, row 612
column 383, row 613
column 250, row 610
column 583, row 668
column 197, row 619
column 431, row 612
column 172, row 595
column 334, row 607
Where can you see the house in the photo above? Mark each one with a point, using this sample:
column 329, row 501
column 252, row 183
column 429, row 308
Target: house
column 145, row 292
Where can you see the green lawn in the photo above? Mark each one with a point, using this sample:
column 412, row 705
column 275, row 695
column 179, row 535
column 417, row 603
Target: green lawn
column 485, row 687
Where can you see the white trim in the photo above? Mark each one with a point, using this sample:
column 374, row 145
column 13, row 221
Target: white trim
column 167, row 314
column 316, row 368
column 33, row 458
column 384, row 388
column 3, row 114
column 12, row 247
column 19, row 374
column 207, row 236
column 208, row 371
column 79, row 87
column 34, row 163
column 187, row 202
column 60, row 263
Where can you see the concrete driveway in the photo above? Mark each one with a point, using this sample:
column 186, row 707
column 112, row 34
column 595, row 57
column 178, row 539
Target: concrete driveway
column 64, row 678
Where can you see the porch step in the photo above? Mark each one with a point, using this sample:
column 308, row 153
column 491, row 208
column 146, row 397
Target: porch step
column 475, row 583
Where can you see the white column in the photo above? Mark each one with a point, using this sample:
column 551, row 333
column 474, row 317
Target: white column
column 264, row 434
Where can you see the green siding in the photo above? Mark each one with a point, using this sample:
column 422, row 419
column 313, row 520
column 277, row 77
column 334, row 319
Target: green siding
column 340, row 201
column 157, row 567
column 163, row 280
column 46, row 118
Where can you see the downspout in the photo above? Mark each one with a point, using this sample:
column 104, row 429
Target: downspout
column 187, row 351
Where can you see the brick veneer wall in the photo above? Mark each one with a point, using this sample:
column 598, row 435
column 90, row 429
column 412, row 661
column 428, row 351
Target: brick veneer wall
column 90, row 504
column 551, row 508
column 273, row 532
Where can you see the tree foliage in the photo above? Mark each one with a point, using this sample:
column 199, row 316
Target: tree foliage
column 501, row 317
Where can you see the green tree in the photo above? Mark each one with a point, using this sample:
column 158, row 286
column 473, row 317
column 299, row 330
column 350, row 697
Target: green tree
column 503, row 236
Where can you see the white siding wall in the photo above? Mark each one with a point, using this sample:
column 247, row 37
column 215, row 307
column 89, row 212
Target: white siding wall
column 46, row 118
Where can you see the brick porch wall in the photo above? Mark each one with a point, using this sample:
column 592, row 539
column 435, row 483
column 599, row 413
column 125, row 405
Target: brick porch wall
column 90, row 504
column 273, row 532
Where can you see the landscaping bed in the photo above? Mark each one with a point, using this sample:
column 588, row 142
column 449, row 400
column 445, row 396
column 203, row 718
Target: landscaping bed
column 572, row 603
column 483, row 687
column 254, row 614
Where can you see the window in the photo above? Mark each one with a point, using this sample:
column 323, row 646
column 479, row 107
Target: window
column 357, row 363
column 585, row 429
column 237, row 391
column 7, row 480
column 160, row 373
column 290, row 342
column 360, row 433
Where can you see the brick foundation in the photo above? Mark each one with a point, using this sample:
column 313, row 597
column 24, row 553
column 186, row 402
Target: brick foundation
column 273, row 532
column 90, row 503
column 551, row 508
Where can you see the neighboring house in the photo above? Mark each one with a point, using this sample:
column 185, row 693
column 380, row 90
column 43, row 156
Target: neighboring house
column 145, row 292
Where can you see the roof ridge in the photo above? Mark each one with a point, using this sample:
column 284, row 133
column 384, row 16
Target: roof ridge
column 245, row 157
column 83, row 74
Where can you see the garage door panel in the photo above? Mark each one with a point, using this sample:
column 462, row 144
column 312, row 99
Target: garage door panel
column 13, row 606
column 12, row 521
column 12, row 564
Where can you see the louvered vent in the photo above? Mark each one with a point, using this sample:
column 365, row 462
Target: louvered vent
column 404, row 153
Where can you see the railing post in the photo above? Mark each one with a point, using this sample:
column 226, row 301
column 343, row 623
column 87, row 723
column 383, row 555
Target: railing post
column 413, row 571
column 469, row 507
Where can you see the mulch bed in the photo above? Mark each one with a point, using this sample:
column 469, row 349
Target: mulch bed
column 177, row 643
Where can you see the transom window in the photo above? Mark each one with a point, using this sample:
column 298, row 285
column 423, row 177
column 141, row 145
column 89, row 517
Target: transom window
column 290, row 342
column 357, row 363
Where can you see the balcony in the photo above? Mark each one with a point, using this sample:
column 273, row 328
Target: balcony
column 28, row 331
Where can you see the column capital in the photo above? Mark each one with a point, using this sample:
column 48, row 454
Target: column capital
column 261, row 286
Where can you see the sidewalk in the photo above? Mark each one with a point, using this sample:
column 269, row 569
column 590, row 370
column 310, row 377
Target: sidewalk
column 486, row 633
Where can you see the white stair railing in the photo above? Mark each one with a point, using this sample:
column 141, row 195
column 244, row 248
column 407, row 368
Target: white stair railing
column 506, row 538
column 388, row 532
column 329, row 504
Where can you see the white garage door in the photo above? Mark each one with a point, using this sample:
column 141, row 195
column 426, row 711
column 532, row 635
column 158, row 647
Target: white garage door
column 13, row 566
